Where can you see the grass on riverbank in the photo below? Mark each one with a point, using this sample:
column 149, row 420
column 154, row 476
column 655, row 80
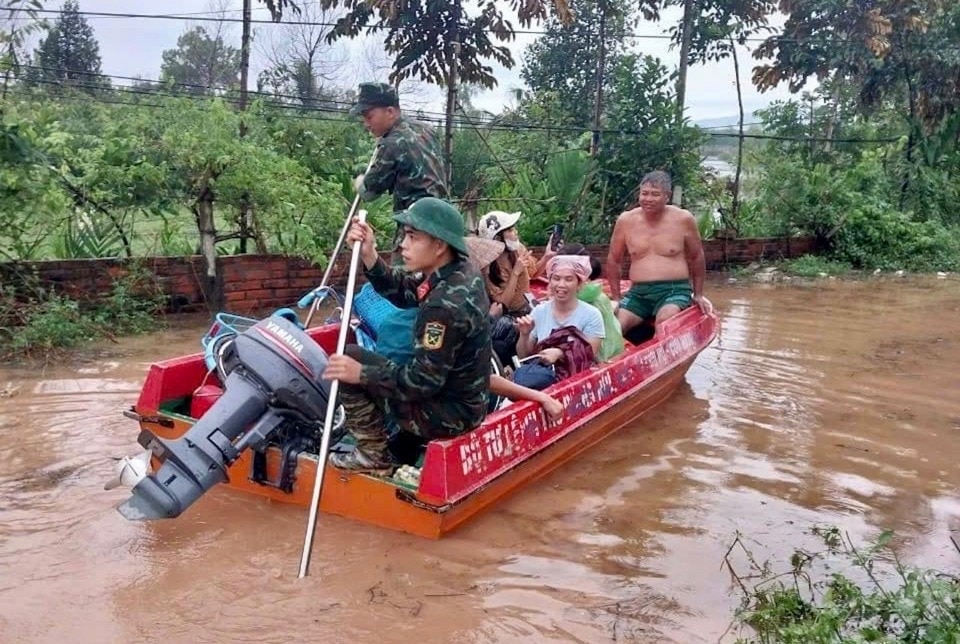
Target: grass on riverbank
column 810, row 267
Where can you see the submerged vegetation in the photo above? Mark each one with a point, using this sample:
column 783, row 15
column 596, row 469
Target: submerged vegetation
column 873, row 597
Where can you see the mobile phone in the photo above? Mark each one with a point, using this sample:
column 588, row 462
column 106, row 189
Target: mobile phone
column 557, row 237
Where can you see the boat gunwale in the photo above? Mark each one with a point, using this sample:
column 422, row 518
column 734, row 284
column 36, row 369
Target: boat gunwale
column 686, row 322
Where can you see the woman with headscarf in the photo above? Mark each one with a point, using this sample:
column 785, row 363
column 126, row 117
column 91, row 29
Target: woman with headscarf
column 565, row 274
column 592, row 293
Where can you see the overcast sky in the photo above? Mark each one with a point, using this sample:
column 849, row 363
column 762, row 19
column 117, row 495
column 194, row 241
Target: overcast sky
column 133, row 47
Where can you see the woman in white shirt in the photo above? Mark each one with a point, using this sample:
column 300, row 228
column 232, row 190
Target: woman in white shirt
column 566, row 274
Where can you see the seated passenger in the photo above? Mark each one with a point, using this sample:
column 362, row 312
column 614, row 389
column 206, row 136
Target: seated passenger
column 662, row 244
column 592, row 293
column 508, row 277
column 562, row 313
column 442, row 392
column 396, row 338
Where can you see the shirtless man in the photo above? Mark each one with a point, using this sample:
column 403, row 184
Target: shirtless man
column 666, row 257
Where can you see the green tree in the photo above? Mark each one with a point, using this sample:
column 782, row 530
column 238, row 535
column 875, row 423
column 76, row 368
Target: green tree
column 32, row 205
column 421, row 36
column 565, row 59
column 899, row 50
column 713, row 34
column 300, row 64
column 201, row 63
column 641, row 106
column 441, row 41
column 18, row 20
column 69, row 54
column 900, row 53
column 704, row 30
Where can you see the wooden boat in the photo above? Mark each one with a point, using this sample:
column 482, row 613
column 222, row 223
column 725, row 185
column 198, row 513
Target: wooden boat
column 461, row 476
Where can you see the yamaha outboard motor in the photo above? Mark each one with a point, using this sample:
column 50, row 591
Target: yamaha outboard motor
column 274, row 376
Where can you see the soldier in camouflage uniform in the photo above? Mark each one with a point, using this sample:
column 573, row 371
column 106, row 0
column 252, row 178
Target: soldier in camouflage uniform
column 442, row 391
column 409, row 161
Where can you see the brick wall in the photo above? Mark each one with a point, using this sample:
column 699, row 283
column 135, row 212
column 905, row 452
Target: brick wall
column 256, row 282
column 720, row 253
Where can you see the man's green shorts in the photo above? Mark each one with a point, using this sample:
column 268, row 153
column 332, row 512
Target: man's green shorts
column 645, row 299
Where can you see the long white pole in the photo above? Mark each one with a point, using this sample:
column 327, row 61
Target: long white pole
column 336, row 249
column 331, row 408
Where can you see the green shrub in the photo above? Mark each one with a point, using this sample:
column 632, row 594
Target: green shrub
column 893, row 603
column 880, row 237
column 815, row 266
column 42, row 323
column 852, row 212
column 133, row 305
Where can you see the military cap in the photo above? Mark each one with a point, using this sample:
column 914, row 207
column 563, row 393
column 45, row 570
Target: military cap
column 437, row 218
column 375, row 95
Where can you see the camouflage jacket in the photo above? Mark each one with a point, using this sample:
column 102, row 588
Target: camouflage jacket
column 451, row 354
column 409, row 164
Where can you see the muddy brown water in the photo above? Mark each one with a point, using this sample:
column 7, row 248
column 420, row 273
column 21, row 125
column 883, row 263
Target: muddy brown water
column 836, row 403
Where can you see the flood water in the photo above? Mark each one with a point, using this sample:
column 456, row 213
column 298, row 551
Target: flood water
column 836, row 403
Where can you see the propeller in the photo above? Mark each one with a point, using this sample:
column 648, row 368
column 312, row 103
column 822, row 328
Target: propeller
column 130, row 470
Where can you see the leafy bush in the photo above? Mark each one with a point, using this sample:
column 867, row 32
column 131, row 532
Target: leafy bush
column 878, row 237
column 44, row 322
column 935, row 193
column 42, row 325
column 133, row 305
column 706, row 225
column 815, row 266
column 852, row 212
column 816, row 200
column 89, row 235
column 904, row 604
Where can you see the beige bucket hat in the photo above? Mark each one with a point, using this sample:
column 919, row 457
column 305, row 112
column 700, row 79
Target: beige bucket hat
column 483, row 252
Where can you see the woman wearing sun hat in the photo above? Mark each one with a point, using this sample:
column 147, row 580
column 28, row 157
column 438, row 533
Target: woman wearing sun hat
column 508, row 277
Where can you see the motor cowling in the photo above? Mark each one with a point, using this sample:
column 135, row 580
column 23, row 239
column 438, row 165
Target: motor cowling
column 274, row 376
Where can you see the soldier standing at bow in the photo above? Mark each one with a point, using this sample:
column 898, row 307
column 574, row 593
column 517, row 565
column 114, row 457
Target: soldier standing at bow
column 409, row 161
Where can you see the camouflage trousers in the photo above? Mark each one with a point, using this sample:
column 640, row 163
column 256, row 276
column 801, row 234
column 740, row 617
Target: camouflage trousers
column 367, row 415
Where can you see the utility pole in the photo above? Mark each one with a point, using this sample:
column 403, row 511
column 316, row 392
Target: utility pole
column 246, row 210
column 244, row 62
column 601, row 65
column 453, row 60
column 735, row 208
column 686, row 35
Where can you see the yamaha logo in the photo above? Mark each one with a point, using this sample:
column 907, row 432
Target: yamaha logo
column 286, row 336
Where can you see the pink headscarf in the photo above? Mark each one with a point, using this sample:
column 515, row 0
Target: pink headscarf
column 579, row 264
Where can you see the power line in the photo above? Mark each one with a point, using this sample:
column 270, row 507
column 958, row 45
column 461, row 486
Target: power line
column 434, row 115
column 513, row 160
column 218, row 12
column 536, row 32
column 215, row 88
column 503, row 127
column 425, row 115
column 307, row 23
